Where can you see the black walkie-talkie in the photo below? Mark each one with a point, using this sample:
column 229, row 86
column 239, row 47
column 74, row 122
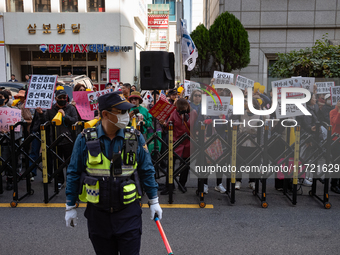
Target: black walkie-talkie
column 116, row 163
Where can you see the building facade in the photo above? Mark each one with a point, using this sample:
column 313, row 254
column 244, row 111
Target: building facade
column 277, row 26
column 99, row 38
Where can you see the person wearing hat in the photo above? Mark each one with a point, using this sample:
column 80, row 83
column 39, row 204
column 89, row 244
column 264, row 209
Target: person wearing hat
column 69, row 117
column 172, row 93
column 98, row 163
column 143, row 114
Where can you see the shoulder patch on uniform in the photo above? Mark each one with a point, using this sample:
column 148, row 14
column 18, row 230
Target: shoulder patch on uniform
column 145, row 147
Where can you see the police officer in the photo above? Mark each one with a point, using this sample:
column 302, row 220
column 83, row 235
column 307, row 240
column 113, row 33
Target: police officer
column 109, row 165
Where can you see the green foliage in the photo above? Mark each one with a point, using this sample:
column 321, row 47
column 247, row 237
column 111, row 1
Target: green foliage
column 322, row 60
column 201, row 38
column 229, row 43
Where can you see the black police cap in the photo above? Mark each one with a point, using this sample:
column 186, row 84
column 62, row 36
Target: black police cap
column 114, row 99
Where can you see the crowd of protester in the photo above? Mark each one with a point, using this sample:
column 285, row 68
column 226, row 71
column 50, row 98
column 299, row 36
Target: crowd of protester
column 187, row 119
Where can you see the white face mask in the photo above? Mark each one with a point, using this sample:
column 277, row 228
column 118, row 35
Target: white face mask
column 123, row 120
column 10, row 102
column 328, row 102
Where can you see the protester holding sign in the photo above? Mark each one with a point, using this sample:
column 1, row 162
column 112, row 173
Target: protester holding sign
column 69, row 117
column 144, row 116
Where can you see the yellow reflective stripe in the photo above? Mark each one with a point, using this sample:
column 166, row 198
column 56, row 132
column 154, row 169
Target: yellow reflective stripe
column 94, row 160
column 130, row 196
column 130, row 187
column 98, row 172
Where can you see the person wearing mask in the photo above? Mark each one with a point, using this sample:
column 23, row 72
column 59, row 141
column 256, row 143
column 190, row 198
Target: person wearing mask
column 126, row 90
column 182, row 119
column 326, row 108
column 334, row 116
column 13, row 78
column 69, row 117
column 143, row 116
column 111, row 185
column 5, row 146
column 133, row 88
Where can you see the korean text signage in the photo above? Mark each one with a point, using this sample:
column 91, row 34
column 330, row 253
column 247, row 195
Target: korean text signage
column 243, row 82
column 8, row 117
column 213, row 109
column 158, row 21
column 324, row 87
column 82, row 48
column 335, row 95
column 46, row 28
column 161, row 110
column 222, row 78
column 40, row 91
column 114, row 75
column 189, row 86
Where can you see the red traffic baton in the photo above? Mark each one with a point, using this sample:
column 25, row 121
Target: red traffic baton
column 161, row 231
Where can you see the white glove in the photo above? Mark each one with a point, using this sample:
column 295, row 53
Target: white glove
column 155, row 208
column 71, row 216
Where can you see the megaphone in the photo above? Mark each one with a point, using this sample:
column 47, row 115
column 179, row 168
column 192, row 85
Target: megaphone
column 91, row 123
column 58, row 118
column 256, row 86
column 134, row 123
column 15, row 102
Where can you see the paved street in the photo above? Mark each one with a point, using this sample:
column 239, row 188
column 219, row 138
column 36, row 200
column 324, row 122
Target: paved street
column 243, row 228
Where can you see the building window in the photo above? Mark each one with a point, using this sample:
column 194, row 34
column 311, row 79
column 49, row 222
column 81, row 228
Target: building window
column 96, row 5
column 69, row 5
column 172, row 7
column 42, row 5
column 15, row 6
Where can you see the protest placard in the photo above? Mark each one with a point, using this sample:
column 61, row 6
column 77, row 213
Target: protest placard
column 161, row 110
column 288, row 83
column 291, row 110
column 93, row 98
column 83, row 104
column 223, row 78
column 211, row 109
column 243, row 82
column 189, row 86
column 41, row 91
column 335, row 94
column 8, row 117
column 324, row 87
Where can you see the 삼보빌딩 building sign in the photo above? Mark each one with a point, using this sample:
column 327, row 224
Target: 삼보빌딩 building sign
column 60, row 28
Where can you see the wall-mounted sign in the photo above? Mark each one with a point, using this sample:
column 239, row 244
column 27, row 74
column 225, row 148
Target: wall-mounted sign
column 47, row 28
column 114, row 75
column 158, row 21
column 82, row 48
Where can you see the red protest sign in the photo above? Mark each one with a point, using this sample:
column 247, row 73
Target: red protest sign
column 161, row 110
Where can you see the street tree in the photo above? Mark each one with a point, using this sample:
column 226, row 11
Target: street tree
column 229, row 43
column 322, row 60
column 202, row 42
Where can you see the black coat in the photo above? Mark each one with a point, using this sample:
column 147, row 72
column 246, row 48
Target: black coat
column 70, row 118
column 309, row 121
column 324, row 113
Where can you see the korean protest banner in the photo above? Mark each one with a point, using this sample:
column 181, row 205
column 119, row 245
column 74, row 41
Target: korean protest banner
column 8, row 117
column 189, row 86
column 93, row 98
column 243, row 82
column 335, row 94
column 41, row 91
column 210, row 108
column 324, row 87
column 291, row 110
column 83, row 104
column 287, row 83
column 161, row 110
column 222, row 78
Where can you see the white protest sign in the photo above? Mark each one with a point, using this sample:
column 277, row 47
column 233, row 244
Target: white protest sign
column 223, row 78
column 243, row 82
column 287, row 83
column 291, row 110
column 189, row 86
column 324, row 87
column 211, row 109
column 41, row 91
column 307, row 83
column 93, row 98
column 335, row 94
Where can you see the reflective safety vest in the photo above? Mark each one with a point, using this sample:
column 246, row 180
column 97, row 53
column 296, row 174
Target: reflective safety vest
column 103, row 184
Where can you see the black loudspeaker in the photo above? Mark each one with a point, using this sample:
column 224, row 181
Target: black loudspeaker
column 157, row 70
